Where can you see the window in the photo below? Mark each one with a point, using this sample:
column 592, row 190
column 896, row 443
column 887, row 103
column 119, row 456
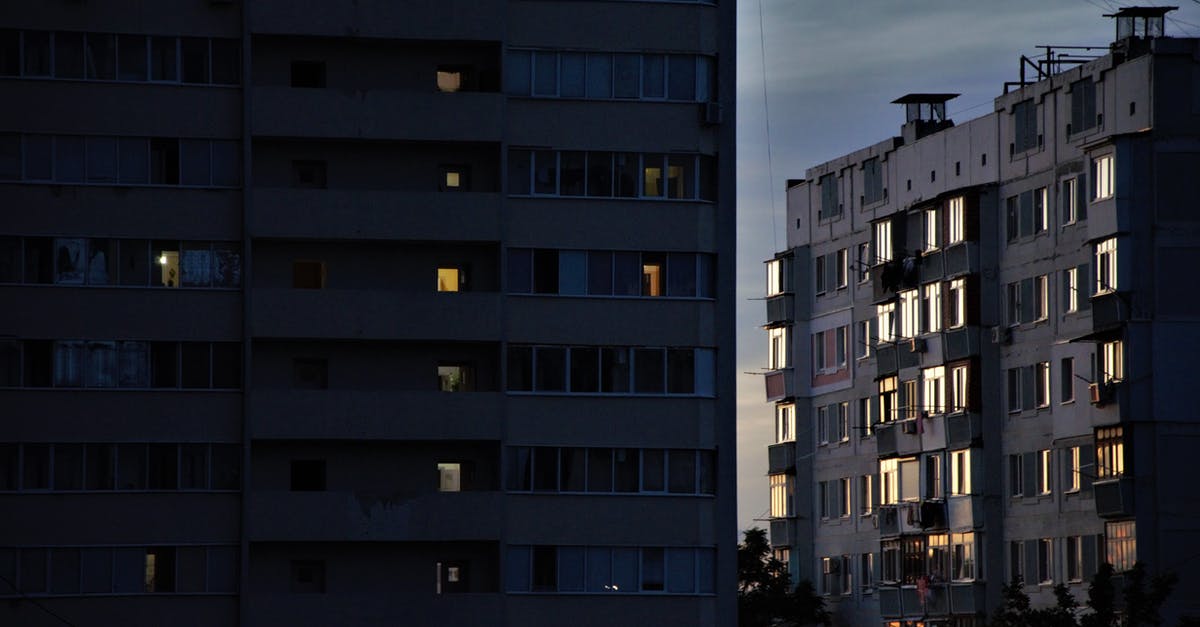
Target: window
column 864, row 339
column 889, row 557
column 866, row 496
column 960, row 472
column 1013, row 302
column 843, row 422
column 1016, row 476
column 777, row 357
column 160, row 569
column 1072, row 200
column 912, row 406
column 863, row 264
column 910, row 313
column 822, row 420
column 1025, row 127
column 655, row 371
column 957, row 400
column 456, row 378
column 883, row 242
column 454, row 178
column 1120, row 544
column 1045, row 555
column 958, row 303
column 1066, row 375
column 1102, row 177
column 449, row 476
column 873, row 190
column 1042, row 384
column 308, row 74
column 308, row 275
column 866, row 424
column 308, row 475
column 785, row 423
column 841, row 345
column 561, row 74
column 935, row 390
column 1016, row 560
column 819, row 269
column 1083, row 105
column 933, row 477
column 1110, row 452
column 1043, row 471
column 830, row 201
column 308, row 577
column 932, row 306
column 889, row 476
column 449, row 279
column 1074, row 565
column 1112, row 361
column 776, row 280
column 1070, row 291
column 1106, row 266
column 606, row 175
column 842, row 271
column 608, row 273
column 782, row 493
column 963, row 563
column 867, row 572
column 956, row 221
column 1073, row 468
column 885, row 316
column 932, row 229
column 1041, row 210
column 888, row 399
column 1041, row 297
column 452, row 78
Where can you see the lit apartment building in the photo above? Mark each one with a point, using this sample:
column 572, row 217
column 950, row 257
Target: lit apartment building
column 974, row 342
column 367, row 313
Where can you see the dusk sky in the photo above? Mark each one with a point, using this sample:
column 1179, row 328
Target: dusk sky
column 832, row 70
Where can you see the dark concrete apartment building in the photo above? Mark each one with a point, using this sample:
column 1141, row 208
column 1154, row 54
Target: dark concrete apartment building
column 978, row 340
column 367, row 312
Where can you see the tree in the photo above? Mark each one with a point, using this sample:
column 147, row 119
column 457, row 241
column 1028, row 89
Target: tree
column 766, row 597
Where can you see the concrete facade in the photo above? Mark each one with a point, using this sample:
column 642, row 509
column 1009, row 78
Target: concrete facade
column 367, row 313
column 975, row 332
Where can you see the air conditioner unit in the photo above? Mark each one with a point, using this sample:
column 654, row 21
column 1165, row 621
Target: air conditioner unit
column 909, row 426
column 1001, row 335
column 710, row 113
column 916, row 345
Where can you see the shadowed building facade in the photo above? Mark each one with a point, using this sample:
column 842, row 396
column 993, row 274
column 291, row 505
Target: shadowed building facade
column 975, row 334
column 367, row 313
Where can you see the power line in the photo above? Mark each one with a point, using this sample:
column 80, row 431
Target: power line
column 762, row 49
column 36, row 603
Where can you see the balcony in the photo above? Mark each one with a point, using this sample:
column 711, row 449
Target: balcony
column 961, row 258
column 910, row 436
column 1114, row 497
column 375, row 214
column 378, row 114
column 115, row 415
column 960, row 343
column 375, row 315
column 1109, row 311
column 914, row 517
column 461, row 20
column 780, row 384
column 114, row 312
column 351, row 517
column 965, row 512
column 781, row 457
column 908, row 601
column 606, row 321
column 783, row 532
column 374, row 608
column 887, row 360
column 370, row 415
column 963, row 429
column 781, row 308
column 932, row 266
column 968, row 598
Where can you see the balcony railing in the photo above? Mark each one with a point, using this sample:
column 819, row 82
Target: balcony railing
column 781, row 308
column 779, row 384
column 781, row 457
column 1114, row 497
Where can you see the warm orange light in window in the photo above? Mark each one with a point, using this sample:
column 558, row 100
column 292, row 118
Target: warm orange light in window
column 447, row 279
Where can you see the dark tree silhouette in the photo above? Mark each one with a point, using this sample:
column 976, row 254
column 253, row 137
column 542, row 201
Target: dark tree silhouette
column 766, row 597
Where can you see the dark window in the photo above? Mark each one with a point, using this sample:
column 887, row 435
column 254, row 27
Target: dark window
column 551, row 369
column 600, row 470
column 1083, row 105
column 653, row 468
column 681, row 371
column 100, row 59
column 872, row 181
column 164, row 59
column 520, row 368
column 131, row 57
column 100, row 469
column 308, row 275
column 682, row 77
column 545, row 172
column 226, row 62
column 310, row 374
column 226, row 365
column 600, row 273
column 226, row 466
column 10, row 52
column 829, row 197
column 163, row 467
column 545, row 569
column 627, row 174
column 310, row 74
column 193, row 467
column 164, row 364
column 682, row 471
column 627, row 274
column 573, row 173
column 652, row 569
column 625, row 469
column 648, row 370
column 520, row 271
column 37, row 53
column 585, row 369
column 519, row 172
column 308, row 475
column 545, row 271
column 571, row 469
column 545, row 469
column 36, row 467
column 309, row 174
column 599, row 174
column 614, row 370
column 131, row 467
column 196, row 364
column 164, row 161
column 68, row 55
column 1024, row 123
column 308, row 577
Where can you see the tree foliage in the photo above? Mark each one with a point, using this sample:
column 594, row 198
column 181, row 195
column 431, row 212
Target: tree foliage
column 766, row 597
column 1143, row 598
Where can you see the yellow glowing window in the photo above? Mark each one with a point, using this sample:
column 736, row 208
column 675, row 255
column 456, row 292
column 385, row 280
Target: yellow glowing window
column 675, row 182
column 453, row 180
column 449, row 81
column 653, row 182
column 652, row 279
column 447, row 279
column 450, row 477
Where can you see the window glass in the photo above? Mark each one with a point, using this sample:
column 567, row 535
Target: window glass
column 195, row 162
column 226, row 466
column 682, row 471
column 194, row 52
column 545, row 469
column 100, row 468
column 196, row 366
column 599, row 174
column 627, row 175
column 226, row 163
column 10, row 260
column 166, row 263
column 68, row 159
column 134, row 160
column 681, row 274
column 706, row 277
column 571, row 469
column 545, row 172
column 681, row 176
column 164, row 364
column 654, row 69
column 131, row 467
column 134, row 262
column 570, row 569
column 68, row 466
column 706, row 80
column 520, row 271
column 681, row 371
column 101, row 159
column 164, row 161
column 545, row 271
column 625, row 469
column 652, row 569
column 682, row 77
column 585, row 369
column 627, row 274
column 599, row 470
column 551, row 364
column 614, row 370
column 227, row 265
column 545, row 74
column 625, row 569
column 520, row 368
column 599, row 273
column 10, row 157
column 519, row 172
column 226, row 62
column 39, row 153
column 652, row 175
column 681, row 570
column 599, row 75
column 163, row 59
column 573, row 173
column 572, row 68
column 68, row 55
column 626, row 75
column 517, row 76
column 10, row 52
column 226, row 365
column 70, row 260
column 131, row 57
column 101, row 368
column 101, row 57
column 648, row 370
column 37, row 53
column 599, row 569
column 653, row 467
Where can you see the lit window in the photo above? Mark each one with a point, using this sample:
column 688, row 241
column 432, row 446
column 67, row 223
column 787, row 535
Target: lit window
column 887, row 399
column 456, row 378
column 1073, row 469
column 912, row 409
column 449, row 477
column 455, row 178
column 778, row 353
column 958, row 303
column 1106, row 266
column 963, row 561
column 910, row 313
column 958, row 389
column 865, row 423
column 960, row 472
column 1102, row 177
column 448, row 279
column 932, row 297
column 956, row 231
column 863, row 265
column 843, row 268
column 883, row 242
column 935, row 389
column 781, row 496
column 1074, row 558
column 889, row 488
column 1110, row 452
column 1120, row 544
column 775, row 277
column 932, row 229
column 1070, row 290
column 1041, row 210
column 449, row 79
column 1112, row 361
column 1043, row 471
column 785, row 423
column 653, row 276
column 160, row 569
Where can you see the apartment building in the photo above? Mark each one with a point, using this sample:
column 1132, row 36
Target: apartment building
column 975, row 341
column 367, row 312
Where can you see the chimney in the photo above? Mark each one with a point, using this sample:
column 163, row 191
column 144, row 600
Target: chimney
column 924, row 114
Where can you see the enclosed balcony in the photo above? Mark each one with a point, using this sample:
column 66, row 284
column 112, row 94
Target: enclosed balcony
column 375, row 314
column 781, row 457
column 285, row 414
column 913, row 602
column 961, row 258
column 472, row 20
column 781, row 309
column 1114, row 497
column 963, row 429
column 965, row 512
column 348, row 517
column 780, row 384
